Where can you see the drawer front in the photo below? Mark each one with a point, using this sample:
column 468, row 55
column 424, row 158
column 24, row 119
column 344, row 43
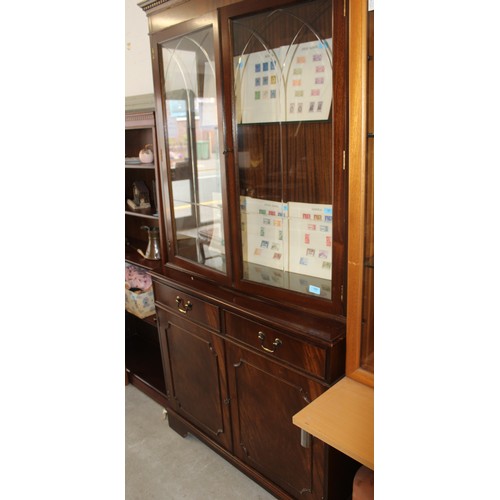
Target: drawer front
column 187, row 306
column 276, row 344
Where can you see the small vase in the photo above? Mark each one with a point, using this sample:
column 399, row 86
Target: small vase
column 146, row 154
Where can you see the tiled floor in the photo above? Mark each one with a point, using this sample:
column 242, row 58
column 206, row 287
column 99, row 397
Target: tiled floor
column 161, row 465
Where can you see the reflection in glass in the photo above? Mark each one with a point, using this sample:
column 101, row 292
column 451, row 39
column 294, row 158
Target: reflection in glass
column 191, row 115
column 283, row 110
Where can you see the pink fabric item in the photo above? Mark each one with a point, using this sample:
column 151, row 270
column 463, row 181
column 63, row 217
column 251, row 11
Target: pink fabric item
column 137, row 278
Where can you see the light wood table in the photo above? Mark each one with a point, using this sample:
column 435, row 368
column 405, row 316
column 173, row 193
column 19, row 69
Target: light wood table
column 343, row 418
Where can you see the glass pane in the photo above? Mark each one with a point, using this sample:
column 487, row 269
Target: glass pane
column 367, row 325
column 283, row 107
column 193, row 141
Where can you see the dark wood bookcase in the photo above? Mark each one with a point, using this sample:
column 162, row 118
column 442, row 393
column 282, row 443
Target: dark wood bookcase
column 143, row 363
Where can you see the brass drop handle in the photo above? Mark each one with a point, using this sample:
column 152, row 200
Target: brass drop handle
column 182, row 309
column 262, row 337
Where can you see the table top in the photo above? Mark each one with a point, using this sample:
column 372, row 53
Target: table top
column 343, row 418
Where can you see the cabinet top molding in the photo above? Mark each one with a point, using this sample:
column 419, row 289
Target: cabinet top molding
column 147, row 5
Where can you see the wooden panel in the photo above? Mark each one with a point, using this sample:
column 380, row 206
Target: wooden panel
column 343, row 418
column 289, row 162
column 136, row 139
column 195, row 375
column 304, row 356
column 196, row 309
column 264, row 396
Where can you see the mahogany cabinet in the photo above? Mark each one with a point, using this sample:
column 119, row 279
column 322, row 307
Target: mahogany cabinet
column 250, row 292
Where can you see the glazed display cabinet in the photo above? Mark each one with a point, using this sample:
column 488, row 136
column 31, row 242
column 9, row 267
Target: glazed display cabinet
column 250, row 290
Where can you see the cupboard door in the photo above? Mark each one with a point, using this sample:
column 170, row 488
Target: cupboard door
column 195, row 378
column 264, row 397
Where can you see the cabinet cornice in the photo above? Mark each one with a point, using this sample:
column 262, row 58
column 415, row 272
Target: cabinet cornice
column 148, row 5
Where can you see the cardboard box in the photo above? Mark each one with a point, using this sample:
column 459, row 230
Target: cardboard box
column 140, row 303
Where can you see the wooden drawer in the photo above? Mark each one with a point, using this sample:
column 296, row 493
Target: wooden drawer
column 277, row 344
column 187, row 306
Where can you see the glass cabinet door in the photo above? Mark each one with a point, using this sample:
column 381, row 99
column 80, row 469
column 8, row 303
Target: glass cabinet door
column 282, row 94
column 192, row 134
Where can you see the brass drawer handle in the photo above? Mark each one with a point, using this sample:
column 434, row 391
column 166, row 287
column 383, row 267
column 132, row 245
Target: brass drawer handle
column 262, row 337
column 183, row 310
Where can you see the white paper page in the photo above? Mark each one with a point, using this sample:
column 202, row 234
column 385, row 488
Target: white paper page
column 310, row 244
column 261, row 88
column 264, row 232
column 291, row 83
column 308, row 81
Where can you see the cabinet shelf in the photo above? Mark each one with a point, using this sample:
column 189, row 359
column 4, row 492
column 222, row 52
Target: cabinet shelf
column 145, row 213
column 143, row 359
column 142, row 166
column 150, row 320
column 134, row 257
column 142, row 356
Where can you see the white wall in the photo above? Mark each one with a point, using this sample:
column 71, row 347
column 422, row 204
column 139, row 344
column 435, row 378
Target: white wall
column 138, row 73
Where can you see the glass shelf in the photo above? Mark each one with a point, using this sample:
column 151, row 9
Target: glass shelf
column 140, row 166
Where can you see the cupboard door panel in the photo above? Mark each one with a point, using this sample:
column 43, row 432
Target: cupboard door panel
column 195, row 375
column 264, row 396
